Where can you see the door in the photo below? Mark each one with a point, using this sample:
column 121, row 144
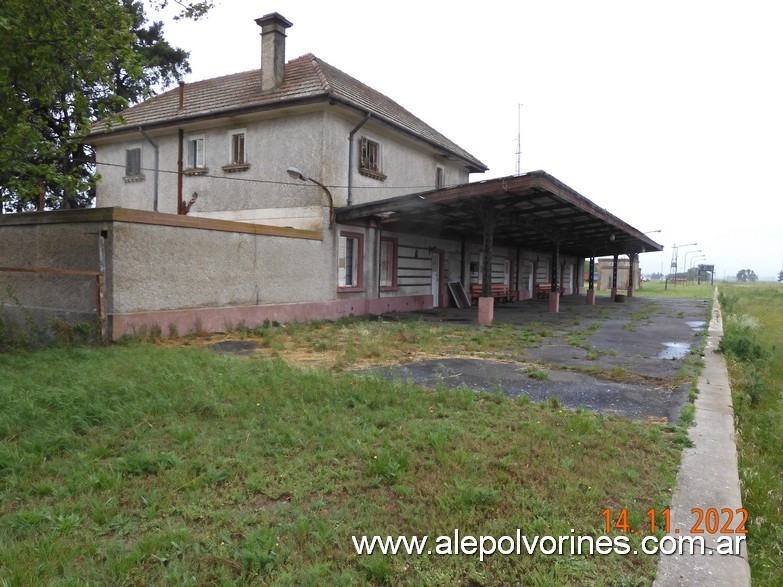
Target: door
column 531, row 278
column 435, row 280
column 507, row 273
column 568, row 280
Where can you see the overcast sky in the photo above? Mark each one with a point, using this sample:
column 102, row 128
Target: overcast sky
column 669, row 114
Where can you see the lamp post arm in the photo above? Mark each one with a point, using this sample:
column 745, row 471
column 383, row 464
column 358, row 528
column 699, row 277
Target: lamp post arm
column 329, row 198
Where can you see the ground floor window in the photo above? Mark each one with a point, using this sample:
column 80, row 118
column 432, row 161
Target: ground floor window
column 388, row 263
column 350, row 260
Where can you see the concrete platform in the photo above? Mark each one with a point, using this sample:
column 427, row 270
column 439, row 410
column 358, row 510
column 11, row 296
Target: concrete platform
column 621, row 359
column 708, row 478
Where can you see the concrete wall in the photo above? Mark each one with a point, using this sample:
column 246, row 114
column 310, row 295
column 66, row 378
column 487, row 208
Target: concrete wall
column 44, row 296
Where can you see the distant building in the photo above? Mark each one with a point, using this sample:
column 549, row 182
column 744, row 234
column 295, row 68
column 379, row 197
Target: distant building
column 605, row 274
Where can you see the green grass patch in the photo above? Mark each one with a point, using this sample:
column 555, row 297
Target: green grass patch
column 147, row 464
column 753, row 345
column 355, row 342
column 537, row 373
column 657, row 289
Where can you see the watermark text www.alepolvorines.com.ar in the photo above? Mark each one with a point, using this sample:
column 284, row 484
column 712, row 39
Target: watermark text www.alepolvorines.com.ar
column 520, row 544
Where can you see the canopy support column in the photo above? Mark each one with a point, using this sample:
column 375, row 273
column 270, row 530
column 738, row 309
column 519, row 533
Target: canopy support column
column 614, row 278
column 591, row 283
column 633, row 259
column 486, row 303
column 554, row 292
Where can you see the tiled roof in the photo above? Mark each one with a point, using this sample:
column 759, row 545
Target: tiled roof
column 306, row 78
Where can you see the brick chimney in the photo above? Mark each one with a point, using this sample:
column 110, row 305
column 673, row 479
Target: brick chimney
column 273, row 28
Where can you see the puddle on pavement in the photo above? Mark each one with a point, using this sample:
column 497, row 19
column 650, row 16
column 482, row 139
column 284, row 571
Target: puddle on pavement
column 673, row 350
column 696, row 325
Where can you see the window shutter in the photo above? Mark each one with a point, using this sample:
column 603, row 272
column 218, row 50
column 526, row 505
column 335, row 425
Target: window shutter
column 199, row 153
column 363, row 156
column 238, row 149
column 132, row 162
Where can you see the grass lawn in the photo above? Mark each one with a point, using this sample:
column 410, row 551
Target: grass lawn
column 657, row 289
column 147, row 463
column 753, row 342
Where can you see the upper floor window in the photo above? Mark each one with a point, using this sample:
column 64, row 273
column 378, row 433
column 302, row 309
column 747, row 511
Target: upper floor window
column 370, row 159
column 238, row 148
column 133, row 161
column 196, row 158
column 133, row 164
column 237, row 153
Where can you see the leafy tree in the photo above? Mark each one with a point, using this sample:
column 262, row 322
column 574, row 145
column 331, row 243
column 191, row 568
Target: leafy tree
column 780, row 277
column 65, row 64
column 747, row 275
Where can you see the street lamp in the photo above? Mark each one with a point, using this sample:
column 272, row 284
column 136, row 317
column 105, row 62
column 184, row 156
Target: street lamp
column 685, row 263
column 296, row 173
column 693, row 262
column 675, row 258
column 696, row 258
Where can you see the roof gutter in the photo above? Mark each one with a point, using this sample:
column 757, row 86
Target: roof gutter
column 203, row 116
column 157, row 166
column 363, row 121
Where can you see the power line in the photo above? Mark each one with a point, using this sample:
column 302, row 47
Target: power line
column 262, row 181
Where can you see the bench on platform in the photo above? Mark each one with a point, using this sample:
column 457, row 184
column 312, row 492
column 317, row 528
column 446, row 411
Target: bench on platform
column 542, row 290
column 499, row 291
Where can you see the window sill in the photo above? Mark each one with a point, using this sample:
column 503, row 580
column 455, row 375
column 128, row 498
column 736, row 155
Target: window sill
column 370, row 173
column 349, row 289
column 234, row 167
column 132, row 178
column 195, row 171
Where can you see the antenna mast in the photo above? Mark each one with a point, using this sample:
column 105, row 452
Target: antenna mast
column 519, row 139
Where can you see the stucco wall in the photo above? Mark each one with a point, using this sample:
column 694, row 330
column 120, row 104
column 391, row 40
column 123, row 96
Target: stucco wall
column 409, row 166
column 168, row 268
column 314, row 140
column 271, row 146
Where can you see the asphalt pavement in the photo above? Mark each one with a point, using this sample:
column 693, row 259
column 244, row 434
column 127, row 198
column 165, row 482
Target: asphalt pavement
column 625, row 359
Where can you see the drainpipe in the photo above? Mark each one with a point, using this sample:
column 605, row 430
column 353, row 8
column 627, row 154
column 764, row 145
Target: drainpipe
column 350, row 155
column 157, row 162
column 180, row 149
column 378, row 256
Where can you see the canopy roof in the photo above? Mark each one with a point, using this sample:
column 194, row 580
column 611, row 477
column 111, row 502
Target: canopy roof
column 533, row 211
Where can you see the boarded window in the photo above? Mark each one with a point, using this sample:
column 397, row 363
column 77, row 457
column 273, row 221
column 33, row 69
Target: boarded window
column 388, row 268
column 133, row 162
